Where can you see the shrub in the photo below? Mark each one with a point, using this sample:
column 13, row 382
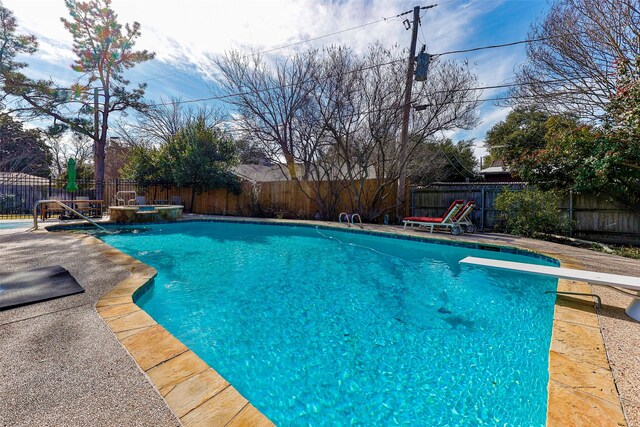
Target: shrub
column 270, row 210
column 527, row 212
column 11, row 203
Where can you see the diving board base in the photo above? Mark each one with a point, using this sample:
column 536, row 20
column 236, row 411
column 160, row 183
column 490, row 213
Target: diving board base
column 633, row 310
column 614, row 281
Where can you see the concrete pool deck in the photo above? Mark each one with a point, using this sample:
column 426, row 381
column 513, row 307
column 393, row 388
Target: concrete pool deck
column 584, row 384
column 59, row 363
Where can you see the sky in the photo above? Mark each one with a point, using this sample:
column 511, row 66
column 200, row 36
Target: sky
column 187, row 34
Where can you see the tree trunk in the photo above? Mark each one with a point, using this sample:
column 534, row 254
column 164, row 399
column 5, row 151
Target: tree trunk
column 98, row 176
column 193, row 198
column 101, row 143
column 291, row 166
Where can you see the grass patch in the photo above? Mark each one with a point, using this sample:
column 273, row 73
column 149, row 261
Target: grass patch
column 627, row 251
column 620, row 250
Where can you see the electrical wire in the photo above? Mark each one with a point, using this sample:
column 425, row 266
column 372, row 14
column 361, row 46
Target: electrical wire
column 231, row 95
column 386, row 19
column 505, row 85
column 451, row 52
column 473, row 173
column 453, row 164
column 509, row 98
column 314, row 38
column 495, row 46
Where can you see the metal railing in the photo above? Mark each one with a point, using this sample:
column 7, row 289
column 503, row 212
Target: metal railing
column 350, row 219
column 346, row 215
column 353, row 219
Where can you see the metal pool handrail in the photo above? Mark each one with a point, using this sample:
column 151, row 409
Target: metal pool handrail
column 353, row 219
column 346, row 215
column 64, row 205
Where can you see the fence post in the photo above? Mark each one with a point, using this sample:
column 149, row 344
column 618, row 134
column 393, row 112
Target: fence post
column 482, row 210
column 570, row 213
column 413, row 207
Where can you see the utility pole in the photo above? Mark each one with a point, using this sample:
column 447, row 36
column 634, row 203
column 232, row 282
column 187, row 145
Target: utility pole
column 404, row 133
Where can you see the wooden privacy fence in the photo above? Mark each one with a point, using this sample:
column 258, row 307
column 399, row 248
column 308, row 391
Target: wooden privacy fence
column 593, row 217
column 19, row 192
column 277, row 198
column 596, row 218
column 434, row 200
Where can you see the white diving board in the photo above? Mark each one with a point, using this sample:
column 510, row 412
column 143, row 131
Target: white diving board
column 595, row 278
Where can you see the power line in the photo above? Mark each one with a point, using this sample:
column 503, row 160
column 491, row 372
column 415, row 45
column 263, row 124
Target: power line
column 474, row 49
column 495, row 46
column 378, row 21
column 461, row 172
column 231, row 95
column 315, row 38
column 384, row 19
column 506, row 98
column 473, row 173
column 327, row 35
column 467, row 101
column 505, row 85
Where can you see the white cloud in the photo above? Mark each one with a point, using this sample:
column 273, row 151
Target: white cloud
column 186, row 34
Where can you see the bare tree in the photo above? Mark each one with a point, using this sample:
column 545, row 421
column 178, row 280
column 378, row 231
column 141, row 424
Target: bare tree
column 338, row 115
column 162, row 121
column 362, row 102
column 64, row 146
column 574, row 65
column 270, row 101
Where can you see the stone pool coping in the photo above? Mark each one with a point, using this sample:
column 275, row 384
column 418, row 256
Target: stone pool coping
column 581, row 390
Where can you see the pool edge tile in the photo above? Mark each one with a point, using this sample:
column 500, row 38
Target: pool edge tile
column 218, row 410
column 581, row 409
column 192, row 392
column 173, row 371
column 575, row 336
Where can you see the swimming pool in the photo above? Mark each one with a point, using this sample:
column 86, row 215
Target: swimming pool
column 325, row 327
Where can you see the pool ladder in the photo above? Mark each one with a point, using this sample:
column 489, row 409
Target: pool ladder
column 350, row 219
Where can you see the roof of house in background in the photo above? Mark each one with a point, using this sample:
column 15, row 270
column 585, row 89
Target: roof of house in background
column 496, row 166
column 19, row 178
column 279, row 172
column 262, row 173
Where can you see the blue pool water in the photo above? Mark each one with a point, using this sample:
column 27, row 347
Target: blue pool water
column 11, row 224
column 323, row 327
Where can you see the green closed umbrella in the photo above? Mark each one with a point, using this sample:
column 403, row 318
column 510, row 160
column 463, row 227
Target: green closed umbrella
column 71, row 172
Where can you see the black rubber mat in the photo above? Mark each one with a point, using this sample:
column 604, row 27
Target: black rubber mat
column 38, row 284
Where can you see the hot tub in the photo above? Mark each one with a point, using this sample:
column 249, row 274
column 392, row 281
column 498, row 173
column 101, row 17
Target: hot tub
column 137, row 214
